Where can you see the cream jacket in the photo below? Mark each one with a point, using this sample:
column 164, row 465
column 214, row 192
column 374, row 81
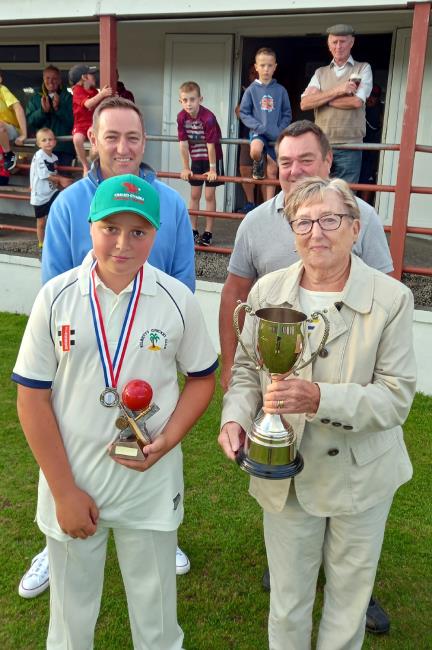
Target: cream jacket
column 367, row 381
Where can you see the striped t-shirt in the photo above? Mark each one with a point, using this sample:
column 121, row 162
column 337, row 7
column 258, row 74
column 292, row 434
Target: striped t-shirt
column 199, row 131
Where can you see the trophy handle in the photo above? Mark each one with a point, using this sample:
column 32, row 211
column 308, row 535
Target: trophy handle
column 314, row 355
column 237, row 310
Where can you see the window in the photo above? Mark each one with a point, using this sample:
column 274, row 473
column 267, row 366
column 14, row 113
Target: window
column 72, row 52
column 19, row 54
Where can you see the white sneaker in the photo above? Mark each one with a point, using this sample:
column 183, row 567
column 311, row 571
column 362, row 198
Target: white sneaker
column 36, row 579
column 182, row 562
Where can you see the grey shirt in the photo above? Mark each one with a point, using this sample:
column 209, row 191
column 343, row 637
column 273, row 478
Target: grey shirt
column 265, row 241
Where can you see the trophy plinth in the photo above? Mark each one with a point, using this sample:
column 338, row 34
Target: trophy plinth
column 135, row 411
column 270, row 449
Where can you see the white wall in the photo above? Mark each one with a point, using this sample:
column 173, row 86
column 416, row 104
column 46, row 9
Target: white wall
column 20, row 282
column 29, row 9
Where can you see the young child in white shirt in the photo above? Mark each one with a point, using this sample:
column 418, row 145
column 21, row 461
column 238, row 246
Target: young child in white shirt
column 45, row 182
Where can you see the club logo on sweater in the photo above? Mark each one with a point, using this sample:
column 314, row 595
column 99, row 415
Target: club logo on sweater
column 65, row 334
column 267, row 103
column 154, row 340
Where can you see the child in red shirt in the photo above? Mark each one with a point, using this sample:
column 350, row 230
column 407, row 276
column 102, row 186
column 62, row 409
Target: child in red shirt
column 85, row 99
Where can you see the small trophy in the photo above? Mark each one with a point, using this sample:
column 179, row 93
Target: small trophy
column 136, row 408
column 270, row 449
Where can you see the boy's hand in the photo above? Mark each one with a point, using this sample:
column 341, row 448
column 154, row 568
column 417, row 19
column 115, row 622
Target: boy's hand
column 211, row 175
column 20, row 140
column 153, row 452
column 106, row 91
column 185, row 174
column 77, row 514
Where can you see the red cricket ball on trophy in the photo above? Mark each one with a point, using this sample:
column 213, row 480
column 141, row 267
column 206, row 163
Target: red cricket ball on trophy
column 137, row 395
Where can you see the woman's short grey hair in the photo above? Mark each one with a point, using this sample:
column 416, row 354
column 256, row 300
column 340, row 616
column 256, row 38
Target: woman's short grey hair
column 314, row 189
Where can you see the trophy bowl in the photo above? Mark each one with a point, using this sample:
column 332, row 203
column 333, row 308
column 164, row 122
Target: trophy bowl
column 279, row 334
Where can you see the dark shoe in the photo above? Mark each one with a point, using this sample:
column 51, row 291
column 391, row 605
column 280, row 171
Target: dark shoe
column 377, row 621
column 206, row 238
column 196, row 236
column 266, row 580
column 258, row 169
column 247, row 207
column 10, row 161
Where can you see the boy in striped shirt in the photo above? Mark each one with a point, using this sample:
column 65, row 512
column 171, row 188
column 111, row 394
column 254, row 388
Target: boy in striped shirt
column 199, row 137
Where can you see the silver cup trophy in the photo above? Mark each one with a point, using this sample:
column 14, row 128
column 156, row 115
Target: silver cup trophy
column 270, row 449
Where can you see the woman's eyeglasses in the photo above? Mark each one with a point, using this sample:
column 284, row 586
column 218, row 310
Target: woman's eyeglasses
column 330, row 221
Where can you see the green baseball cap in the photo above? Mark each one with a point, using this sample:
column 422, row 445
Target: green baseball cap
column 126, row 193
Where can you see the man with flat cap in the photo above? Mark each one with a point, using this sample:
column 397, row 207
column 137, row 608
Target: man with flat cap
column 337, row 93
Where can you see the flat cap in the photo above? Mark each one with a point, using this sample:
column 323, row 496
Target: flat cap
column 341, row 30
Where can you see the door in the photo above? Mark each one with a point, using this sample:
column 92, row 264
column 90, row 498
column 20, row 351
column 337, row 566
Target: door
column 420, row 205
column 207, row 60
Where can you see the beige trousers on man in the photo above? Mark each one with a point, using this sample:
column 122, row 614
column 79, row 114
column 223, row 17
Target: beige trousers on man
column 297, row 544
column 147, row 564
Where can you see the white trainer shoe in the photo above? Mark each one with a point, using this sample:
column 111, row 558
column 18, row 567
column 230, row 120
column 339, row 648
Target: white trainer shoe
column 182, row 562
column 36, row 579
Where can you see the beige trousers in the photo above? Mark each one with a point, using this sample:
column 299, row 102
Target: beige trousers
column 147, row 564
column 297, row 544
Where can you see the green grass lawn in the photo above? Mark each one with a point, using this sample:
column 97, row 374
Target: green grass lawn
column 220, row 602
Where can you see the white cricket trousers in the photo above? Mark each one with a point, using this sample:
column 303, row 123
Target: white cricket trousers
column 147, row 564
column 297, row 544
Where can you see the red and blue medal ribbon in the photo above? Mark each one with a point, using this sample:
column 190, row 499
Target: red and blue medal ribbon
column 112, row 368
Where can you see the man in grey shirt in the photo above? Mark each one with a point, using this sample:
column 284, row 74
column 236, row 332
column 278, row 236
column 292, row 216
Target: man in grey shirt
column 265, row 242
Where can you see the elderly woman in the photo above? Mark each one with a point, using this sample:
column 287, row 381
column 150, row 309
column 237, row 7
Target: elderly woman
column 347, row 409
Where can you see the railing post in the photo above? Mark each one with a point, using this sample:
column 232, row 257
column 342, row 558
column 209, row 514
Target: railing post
column 416, row 67
column 108, row 51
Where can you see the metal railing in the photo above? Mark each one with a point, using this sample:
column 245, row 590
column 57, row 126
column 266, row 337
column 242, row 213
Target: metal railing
column 21, row 195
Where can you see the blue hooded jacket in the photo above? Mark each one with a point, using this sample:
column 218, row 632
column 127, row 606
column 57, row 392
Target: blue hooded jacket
column 67, row 237
column 265, row 109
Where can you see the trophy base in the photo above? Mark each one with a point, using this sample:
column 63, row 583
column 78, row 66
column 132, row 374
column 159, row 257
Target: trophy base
column 127, row 449
column 272, row 472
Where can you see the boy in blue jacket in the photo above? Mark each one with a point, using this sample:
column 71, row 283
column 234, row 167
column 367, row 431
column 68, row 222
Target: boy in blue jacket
column 266, row 110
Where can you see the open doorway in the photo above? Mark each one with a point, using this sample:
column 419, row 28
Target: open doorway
column 299, row 56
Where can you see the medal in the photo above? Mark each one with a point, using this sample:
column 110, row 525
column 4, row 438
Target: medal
column 111, row 368
column 109, row 397
column 122, row 422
